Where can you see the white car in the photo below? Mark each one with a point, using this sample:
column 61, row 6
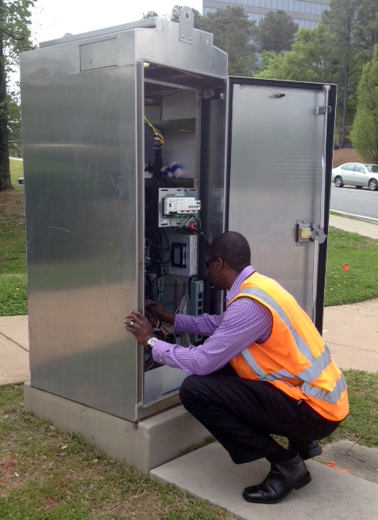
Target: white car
column 356, row 174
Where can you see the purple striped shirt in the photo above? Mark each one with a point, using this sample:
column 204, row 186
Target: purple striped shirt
column 244, row 322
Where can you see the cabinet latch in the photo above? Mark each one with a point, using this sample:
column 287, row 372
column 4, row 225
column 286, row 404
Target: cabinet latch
column 303, row 231
column 320, row 111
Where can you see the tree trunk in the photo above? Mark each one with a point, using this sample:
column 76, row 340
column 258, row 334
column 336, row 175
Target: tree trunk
column 344, row 109
column 5, row 181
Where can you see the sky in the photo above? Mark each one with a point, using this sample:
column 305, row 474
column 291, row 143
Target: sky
column 53, row 18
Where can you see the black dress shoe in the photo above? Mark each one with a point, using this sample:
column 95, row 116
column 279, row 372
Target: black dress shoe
column 306, row 450
column 282, row 478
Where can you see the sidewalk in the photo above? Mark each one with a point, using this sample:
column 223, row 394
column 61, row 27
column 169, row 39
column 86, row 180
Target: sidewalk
column 351, row 332
column 14, row 350
column 367, row 229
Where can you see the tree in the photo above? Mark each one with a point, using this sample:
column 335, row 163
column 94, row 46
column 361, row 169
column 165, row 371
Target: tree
column 15, row 19
column 367, row 26
column 334, row 51
column 365, row 127
column 342, row 21
column 149, row 14
column 14, row 123
column 233, row 32
column 311, row 58
column 276, row 32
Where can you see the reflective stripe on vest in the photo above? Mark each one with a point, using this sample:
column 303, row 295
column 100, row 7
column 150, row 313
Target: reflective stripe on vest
column 308, row 374
column 330, row 397
column 302, row 346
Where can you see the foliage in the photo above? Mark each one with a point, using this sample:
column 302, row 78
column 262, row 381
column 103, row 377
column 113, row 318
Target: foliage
column 367, row 28
column 198, row 18
column 365, row 128
column 352, row 274
column 149, row 14
column 233, row 32
column 15, row 20
column 345, row 22
column 276, row 32
column 310, row 59
column 335, row 51
column 14, row 123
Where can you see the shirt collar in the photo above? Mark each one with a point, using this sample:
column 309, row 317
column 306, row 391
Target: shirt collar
column 247, row 271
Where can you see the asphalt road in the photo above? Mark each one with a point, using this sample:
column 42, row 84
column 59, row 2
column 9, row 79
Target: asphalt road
column 355, row 202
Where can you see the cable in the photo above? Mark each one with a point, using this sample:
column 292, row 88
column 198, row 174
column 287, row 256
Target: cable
column 158, row 135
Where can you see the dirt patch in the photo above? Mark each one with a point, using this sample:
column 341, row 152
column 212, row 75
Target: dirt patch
column 345, row 155
column 11, row 203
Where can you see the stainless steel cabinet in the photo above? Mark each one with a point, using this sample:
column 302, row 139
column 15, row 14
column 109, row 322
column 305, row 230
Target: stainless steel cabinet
column 256, row 154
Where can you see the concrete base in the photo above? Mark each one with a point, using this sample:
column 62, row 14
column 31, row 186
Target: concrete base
column 144, row 445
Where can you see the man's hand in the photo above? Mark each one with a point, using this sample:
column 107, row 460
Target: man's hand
column 156, row 310
column 138, row 325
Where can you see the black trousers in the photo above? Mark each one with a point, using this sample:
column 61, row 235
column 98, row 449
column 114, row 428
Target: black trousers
column 242, row 414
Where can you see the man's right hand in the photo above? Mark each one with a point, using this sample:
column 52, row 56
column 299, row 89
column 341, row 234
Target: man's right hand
column 156, row 310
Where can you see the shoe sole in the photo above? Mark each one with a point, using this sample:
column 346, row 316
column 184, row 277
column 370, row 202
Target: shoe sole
column 306, row 480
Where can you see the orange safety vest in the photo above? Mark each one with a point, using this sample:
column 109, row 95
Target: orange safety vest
column 294, row 358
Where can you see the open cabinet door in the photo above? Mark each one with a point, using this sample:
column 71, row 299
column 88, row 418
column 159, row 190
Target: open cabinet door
column 279, row 161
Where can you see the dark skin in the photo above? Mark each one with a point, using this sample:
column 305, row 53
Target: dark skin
column 222, row 277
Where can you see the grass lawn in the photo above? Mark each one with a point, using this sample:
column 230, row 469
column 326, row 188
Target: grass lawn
column 13, row 284
column 46, row 474
column 17, row 172
column 352, row 274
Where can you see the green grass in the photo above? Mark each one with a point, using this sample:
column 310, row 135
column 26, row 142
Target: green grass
column 46, row 474
column 362, row 423
column 352, row 268
column 13, row 283
column 17, row 171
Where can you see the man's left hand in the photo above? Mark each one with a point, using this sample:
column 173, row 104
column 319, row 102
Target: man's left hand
column 137, row 324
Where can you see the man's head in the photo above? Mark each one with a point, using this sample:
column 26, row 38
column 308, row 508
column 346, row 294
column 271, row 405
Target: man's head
column 227, row 256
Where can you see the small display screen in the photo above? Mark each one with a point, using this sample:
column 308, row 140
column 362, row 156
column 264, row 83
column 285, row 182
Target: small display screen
column 178, row 255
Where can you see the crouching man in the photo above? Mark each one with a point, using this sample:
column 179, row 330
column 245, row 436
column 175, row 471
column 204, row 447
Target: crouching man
column 263, row 370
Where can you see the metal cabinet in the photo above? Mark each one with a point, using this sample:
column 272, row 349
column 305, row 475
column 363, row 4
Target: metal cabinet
column 254, row 155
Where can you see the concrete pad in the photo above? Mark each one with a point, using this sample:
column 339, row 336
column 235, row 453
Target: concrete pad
column 142, row 445
column 361, row 227
column 351, row 332
column 14, row 364
column 209, row 474
column 356, row 459
column 15, row 328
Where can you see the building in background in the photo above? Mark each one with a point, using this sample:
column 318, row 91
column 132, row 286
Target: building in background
column 306, row 13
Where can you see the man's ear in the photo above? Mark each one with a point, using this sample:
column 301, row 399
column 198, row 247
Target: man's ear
column 220, row 263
